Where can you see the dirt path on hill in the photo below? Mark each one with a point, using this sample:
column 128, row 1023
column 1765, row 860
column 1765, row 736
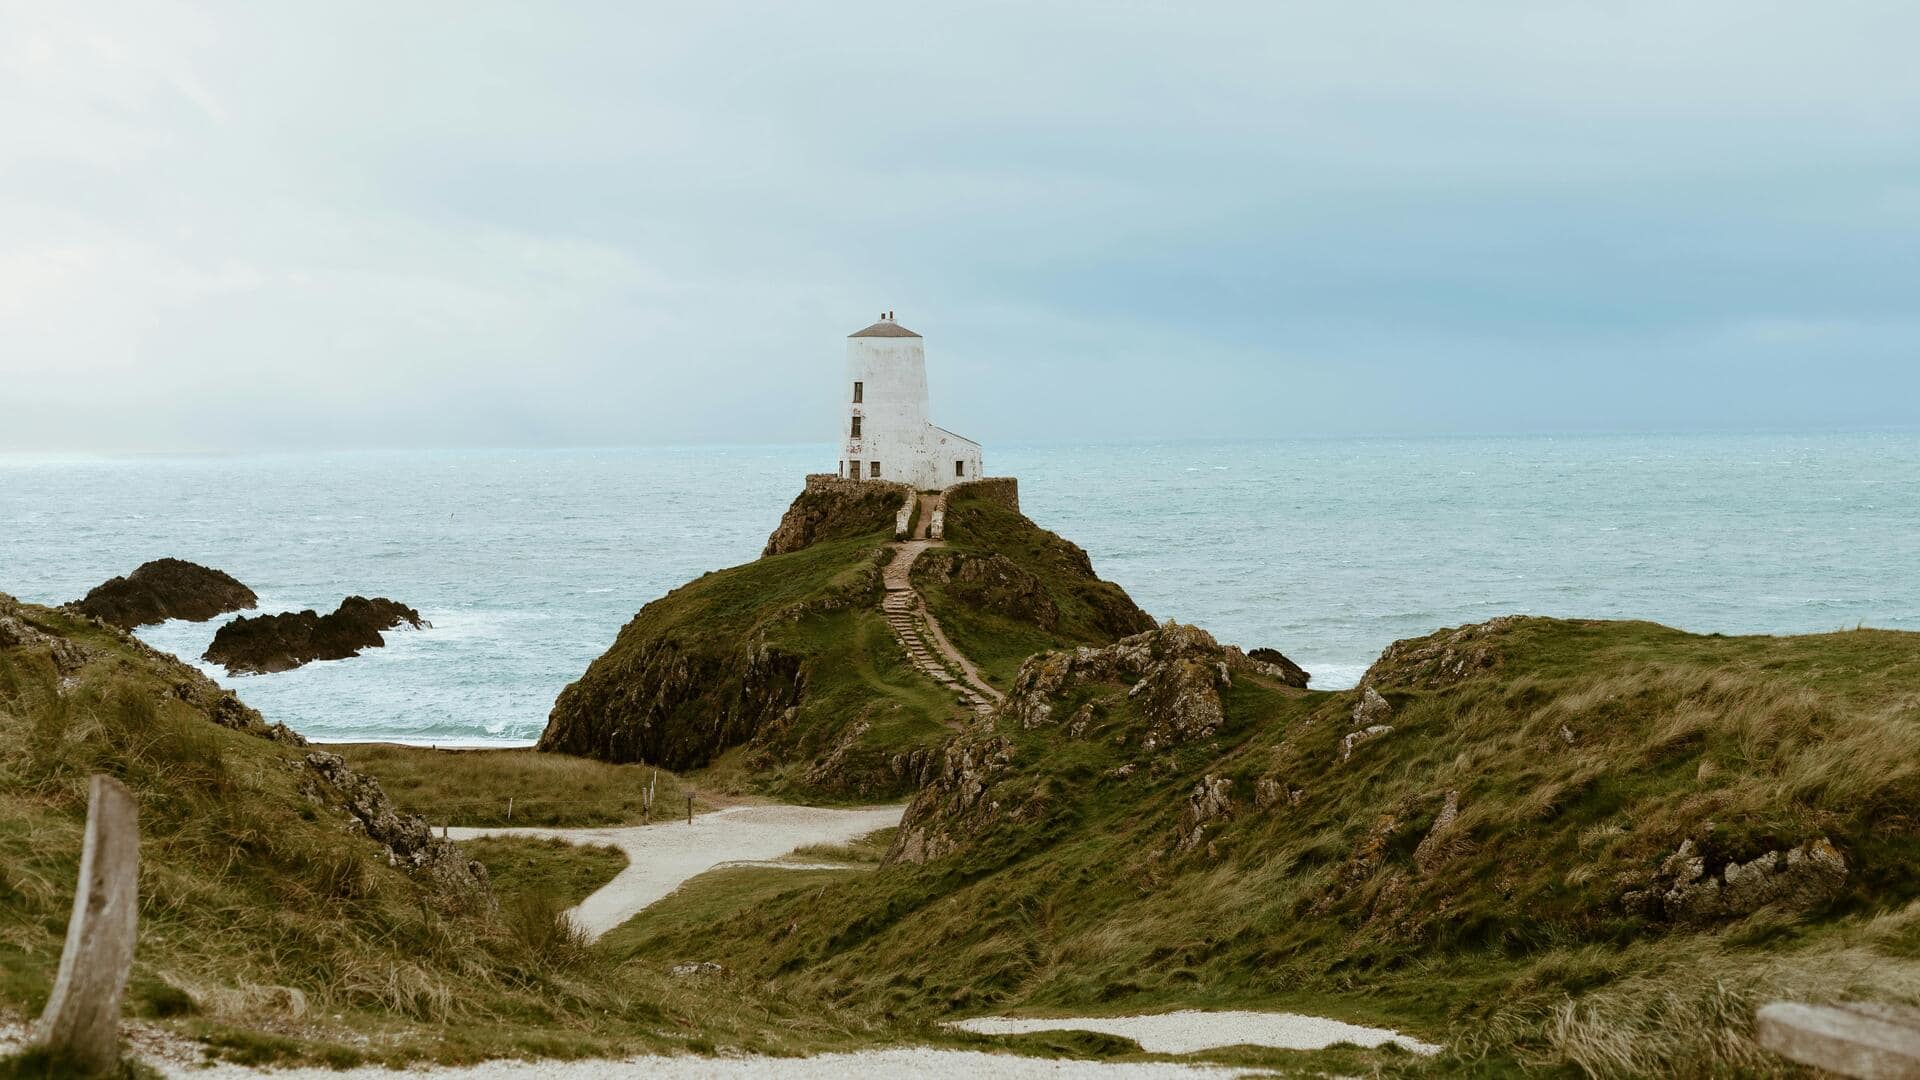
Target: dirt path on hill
column 919, row 632
column 661, row 857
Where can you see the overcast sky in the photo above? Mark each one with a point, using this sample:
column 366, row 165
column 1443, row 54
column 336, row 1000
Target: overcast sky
column 277, row 225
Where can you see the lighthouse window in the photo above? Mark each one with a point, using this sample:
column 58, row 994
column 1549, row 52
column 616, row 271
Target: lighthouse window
column 873, row 470
column 856, row 427
column 858, row 389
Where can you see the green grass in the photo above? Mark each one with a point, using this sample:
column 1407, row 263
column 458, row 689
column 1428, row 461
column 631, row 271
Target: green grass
column 1091, row 611
column 563, row 872
column 272, row 931
column 1516, row 950
column 472, row 787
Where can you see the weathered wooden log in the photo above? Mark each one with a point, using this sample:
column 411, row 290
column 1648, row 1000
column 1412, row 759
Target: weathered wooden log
column 81, row 1024
column 1859, row 1039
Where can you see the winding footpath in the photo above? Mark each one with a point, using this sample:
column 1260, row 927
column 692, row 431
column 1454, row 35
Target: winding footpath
column 661, row 857
column 919, row 632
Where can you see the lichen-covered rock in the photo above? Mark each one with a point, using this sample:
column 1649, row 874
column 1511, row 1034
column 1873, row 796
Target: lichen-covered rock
column 833, row 508
column 1687, row 890
column 18, row 631
column 1355, row 738
column 1176, row 672
column 1207, row 806
column 957, row 803
column 1371, row 709
column 22, row 628
column 988, row 582
column 165, row 589
column 408, row 839
column 1445, row 657
column 1274, row 665
column 270, row 643
column 1442, row 842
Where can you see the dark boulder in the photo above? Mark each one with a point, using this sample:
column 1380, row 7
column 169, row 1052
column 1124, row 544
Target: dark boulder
column 269, row 643
column 165, row 589
column 1277, row 666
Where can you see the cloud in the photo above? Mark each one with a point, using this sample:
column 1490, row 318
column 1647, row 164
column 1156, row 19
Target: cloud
column 231, row 225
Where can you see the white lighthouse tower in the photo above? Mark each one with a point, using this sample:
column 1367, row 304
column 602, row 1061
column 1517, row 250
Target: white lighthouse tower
column 886, row 433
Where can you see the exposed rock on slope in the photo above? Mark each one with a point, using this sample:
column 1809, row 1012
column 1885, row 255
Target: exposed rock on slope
column 409, row 840
column 834, row 509
column 270, row 643
column 165, row 589
column 1174, row 676
column 22, row 628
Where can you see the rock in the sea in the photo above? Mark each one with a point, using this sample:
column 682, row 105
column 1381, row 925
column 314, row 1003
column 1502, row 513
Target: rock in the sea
column 408, row 839
column 1274, row 665
column 270, row 643
column 165, row 589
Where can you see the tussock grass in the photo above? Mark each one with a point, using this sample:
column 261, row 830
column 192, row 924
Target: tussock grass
column 472, row 787
column 274, row 932
column 1581, row 763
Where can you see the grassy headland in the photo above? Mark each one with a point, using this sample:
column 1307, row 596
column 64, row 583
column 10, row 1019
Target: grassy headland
column 1092, row 857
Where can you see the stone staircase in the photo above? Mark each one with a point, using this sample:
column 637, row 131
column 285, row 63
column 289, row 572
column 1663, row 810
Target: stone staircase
column 931, row 654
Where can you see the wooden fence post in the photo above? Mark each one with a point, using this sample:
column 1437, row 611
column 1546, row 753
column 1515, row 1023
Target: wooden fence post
column 81, row 1023
column 689, row 807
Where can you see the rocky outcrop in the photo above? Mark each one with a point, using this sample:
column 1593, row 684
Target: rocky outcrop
column 270, row 643
column 1355, row 738
column 957, row 803
column 408, row 839
column 1443, row 841
column 832, row 508
column 1207, row 806
column 1274, row 665
column 1176, row 672
column 39, row 630
column 989, row 582
column 19, row 631
column 165, row 589
column 1688, row 889
column 1371, row 709
column 1446, row 657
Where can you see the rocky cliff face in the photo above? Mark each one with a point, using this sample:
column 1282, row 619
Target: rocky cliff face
column 790, row 659
column 270, row 643
column 165, row 589
column 833, row 509
column 409, row 841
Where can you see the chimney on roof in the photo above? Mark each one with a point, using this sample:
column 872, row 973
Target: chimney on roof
column 889, row 314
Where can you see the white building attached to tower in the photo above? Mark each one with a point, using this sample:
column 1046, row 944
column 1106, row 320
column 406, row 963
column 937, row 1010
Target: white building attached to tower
column 886, row 432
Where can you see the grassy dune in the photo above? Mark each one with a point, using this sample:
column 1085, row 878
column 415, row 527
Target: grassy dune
column 472, row 787
column 1582, row 758
column 274, row 932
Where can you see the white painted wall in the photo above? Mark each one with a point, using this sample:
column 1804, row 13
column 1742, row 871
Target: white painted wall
column 894, row 426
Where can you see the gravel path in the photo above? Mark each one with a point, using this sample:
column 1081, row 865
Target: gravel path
column 1186, row 1032
column 661, row 857
column 863, row 1065
column 178, row 1058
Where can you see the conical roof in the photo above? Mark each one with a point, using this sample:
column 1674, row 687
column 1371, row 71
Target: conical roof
column 884, row 328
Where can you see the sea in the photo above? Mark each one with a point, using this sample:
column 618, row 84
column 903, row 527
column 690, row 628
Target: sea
column 528, row 562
